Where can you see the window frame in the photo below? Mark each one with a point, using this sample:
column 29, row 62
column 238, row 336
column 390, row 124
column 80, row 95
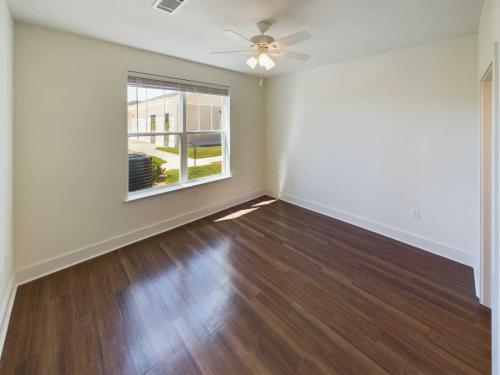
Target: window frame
column 183, row 134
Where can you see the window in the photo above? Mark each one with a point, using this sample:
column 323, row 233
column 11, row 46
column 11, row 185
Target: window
column 178, row 134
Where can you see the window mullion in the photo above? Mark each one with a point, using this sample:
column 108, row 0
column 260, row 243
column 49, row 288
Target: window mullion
column 137, row 107
column 184, row 141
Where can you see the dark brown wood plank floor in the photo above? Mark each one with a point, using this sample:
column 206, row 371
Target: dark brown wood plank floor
column 263, row 288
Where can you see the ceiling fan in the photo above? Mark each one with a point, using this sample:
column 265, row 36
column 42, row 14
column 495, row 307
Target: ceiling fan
column 263, row 46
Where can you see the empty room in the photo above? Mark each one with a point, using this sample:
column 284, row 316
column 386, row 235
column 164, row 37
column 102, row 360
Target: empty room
column 228, row 187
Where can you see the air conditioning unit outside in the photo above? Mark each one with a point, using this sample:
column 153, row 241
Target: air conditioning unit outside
column 140, row 172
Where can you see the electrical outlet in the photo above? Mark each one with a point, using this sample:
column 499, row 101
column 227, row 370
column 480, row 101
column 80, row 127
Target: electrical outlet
column 415, row 214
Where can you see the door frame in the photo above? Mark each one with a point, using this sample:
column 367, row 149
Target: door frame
column 495, row 287
column 484, row 292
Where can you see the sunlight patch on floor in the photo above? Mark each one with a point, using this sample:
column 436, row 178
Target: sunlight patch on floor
column 264, row 203
column 237, row 214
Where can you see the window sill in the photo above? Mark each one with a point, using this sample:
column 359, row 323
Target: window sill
column 133, row 196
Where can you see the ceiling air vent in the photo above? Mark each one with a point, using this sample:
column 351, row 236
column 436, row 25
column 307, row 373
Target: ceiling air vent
column 169, row 6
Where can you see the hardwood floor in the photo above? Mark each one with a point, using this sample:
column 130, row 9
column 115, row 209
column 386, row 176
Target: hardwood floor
column 263, row 288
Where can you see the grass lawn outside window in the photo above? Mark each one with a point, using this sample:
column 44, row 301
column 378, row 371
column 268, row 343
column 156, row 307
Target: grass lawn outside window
column 172, row 175
column 201, row 151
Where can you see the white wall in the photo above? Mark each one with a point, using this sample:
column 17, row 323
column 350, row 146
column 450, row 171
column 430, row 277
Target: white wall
column 70, row 143
column 368, row 140
column 489, row 33
column 6, row 126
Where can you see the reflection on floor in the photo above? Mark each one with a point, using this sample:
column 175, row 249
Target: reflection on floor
column 263, row 288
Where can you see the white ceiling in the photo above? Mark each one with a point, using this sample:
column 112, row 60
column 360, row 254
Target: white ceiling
column 342, row 29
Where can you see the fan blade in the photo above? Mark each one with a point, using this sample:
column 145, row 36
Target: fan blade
column 289, row 55
column 225, row 52
column 238, row 36
column 291, row 39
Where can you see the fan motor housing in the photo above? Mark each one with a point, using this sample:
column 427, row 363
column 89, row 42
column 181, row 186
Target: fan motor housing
column 262, row 40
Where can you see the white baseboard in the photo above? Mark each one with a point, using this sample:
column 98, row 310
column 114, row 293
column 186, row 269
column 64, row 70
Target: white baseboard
column 7, row 304
column 270, row 193
column 77, row 256
column 477, row 283
column 423, row 243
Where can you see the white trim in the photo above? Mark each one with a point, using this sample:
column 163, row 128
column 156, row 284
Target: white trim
column 270, row 193
column 226, row 134
column 420, row 242
column 495, row 289
column 80, row 255
column 140, row 194
column 483, row 293
column 477, row 279
column 7, row 304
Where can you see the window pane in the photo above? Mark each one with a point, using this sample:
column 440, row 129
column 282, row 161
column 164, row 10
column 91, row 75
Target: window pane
column 152, row 110
column 132, row 108
column 155, row 108
column 205, row 105
column 171, row 119
column 204, row 155
column 151, row 164
column 192, row 113
column 142, row 114
column 216, row 112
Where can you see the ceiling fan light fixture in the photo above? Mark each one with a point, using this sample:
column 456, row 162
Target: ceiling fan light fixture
column 252, row 62
column 271, row 64
column 263, row 47
column 266, row 62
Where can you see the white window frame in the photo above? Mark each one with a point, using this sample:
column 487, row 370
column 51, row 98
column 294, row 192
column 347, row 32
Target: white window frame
column 183, row 135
